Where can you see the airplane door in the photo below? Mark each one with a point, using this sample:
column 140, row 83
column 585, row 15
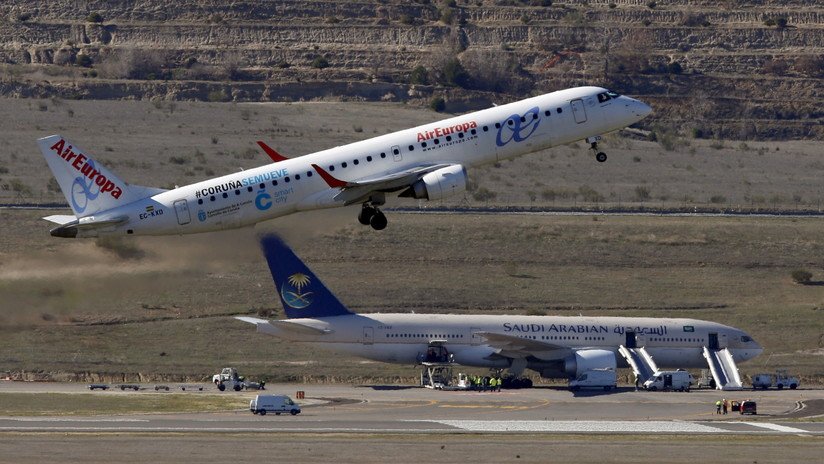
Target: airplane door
column 396, row 153
column 476, row 339
column 182, row 212
column 368, row 335
column 713, row 341
column 630, row 342
column 578, row 111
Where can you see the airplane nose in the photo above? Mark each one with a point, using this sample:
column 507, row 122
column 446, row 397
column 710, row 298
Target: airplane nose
column 642, row 109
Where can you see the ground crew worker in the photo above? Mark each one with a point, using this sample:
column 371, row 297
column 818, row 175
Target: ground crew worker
column 493, row 383
column 726, row 405
column 718, row 407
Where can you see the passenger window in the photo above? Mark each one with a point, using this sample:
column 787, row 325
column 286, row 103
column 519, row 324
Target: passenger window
column 212, row 198
column 396, row 151
column 510, row 122
column 423, row 144
column 297, row 176
column 497, row 125
column 523, row 119
column 534, row 116
column 308, row 173
column 460, row 135
column 355, row 162
column 237, row 192
column 331, row 168
column 436, row 141
column 262, row 185
column 200, row 201
column 411, row 148
column 343, row 165
column 559, row 110
column 486, row 128
column 473, row 131
column 368, row 159
column 286, row 179
column 547, row 113
column 448, row 138
column 249, row 189
column 274, row 183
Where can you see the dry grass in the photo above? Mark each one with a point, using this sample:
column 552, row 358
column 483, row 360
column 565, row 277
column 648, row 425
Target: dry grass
column 73, row 307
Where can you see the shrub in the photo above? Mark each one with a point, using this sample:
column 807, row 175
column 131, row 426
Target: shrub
column 437, row 104
column 484, row 194
column 455, row 74
column 179, row 159
column 84, row 60
column 94, row 18
column 320, row 62
column 419, row 76
column 217, row 96
column 642, row 193
column 801, row 276
column 718, row 199
column 674, row 68
column 447, row 15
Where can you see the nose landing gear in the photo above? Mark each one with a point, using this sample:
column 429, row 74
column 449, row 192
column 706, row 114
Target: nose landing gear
column 593, row 144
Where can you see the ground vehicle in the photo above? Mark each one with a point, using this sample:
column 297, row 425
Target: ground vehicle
column 748, row 407
column 228, row 378
column 100, row 386
column 781, row 380
column 261, row 404
column 706, row 380
column 595, row 378
column 670, row 380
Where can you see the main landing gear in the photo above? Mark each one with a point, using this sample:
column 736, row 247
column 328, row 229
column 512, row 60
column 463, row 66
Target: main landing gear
column 370, row 215
column 593, row 145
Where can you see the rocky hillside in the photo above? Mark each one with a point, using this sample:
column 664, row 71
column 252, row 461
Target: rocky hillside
column 729, row 69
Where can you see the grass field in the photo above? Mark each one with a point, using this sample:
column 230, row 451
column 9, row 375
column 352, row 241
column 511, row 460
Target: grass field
column 76, row 309
column 59, row 404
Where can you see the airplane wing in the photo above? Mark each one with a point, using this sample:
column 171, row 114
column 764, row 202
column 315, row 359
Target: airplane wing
column 517, row 347
column 355, row 191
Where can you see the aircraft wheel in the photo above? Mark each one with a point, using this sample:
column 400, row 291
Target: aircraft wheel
column 221, row 387
column 262, row 412
column 793, row 386
column 527, row 383
column 366, row 214
column 601, row 157
column 293, row 412
column 378, row 221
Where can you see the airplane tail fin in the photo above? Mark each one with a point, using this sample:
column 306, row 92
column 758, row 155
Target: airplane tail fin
column 302, row 294
column 89, row 186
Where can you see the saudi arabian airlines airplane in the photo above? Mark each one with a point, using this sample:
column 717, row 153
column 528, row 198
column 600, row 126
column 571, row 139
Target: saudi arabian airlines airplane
column 554, row 346
column 425, row 162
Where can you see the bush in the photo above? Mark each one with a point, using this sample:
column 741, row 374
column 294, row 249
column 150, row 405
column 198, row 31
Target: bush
column 642, row 193
column 94, row 18
column 484, row 194
column 84, row 60
column 455, row 74
column 419, row 76
column 437, row 104
column 320, row 62
column 718, row 199
column 801, row 276
column 217, row 96
column 674, row 68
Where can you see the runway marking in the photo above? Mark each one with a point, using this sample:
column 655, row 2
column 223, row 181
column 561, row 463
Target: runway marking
column 776, row 427
column 582, row 426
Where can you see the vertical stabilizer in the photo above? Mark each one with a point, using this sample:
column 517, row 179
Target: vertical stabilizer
column 89, row 186
column 302, row 294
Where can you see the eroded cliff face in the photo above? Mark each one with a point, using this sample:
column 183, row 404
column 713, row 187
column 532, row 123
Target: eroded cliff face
column 737, row 69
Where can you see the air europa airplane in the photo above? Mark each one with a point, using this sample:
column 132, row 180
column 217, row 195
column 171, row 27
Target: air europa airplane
column 554, row 346
column 425, row 162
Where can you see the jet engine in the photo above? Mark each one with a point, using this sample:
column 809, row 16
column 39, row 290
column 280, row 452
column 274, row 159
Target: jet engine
column 438, row 184
column 584, row 360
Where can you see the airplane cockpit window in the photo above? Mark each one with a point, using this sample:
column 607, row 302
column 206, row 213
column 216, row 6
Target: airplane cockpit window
column 746, row 339
column 608, row 95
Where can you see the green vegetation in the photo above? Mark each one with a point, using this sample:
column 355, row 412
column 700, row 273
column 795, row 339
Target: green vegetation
column 94, row 17
column 320, row 62
column 801, row 276
column 437, row 104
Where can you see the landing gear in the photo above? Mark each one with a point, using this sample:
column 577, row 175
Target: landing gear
column 372, row 216
column 593, row 145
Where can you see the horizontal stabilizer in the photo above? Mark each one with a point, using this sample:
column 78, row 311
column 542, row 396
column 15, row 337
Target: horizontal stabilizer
column 61, row 219
column 71, row 228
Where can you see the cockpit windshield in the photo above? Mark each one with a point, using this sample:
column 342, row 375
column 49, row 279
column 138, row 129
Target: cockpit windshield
column 746, row 338
column 608, row 95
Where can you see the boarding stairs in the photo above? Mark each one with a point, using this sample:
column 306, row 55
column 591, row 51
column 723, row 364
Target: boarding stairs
column 640, row 361
column 723, row 369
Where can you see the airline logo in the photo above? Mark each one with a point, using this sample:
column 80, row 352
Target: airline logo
column 518, row 128
column 83, row 190
column 292, row 291
column 444, row 131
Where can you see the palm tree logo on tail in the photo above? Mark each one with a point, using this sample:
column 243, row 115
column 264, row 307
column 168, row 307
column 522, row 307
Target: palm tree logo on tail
column 291, row 291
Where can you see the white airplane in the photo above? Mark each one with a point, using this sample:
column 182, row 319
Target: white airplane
column 425, row 162
column 554, row 346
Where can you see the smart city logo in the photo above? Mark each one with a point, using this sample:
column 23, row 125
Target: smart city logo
column 263, row 201
column 292, row 291
column 518, row 127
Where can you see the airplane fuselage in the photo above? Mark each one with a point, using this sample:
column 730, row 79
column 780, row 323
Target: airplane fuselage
column 292, row 185
column 403, row 338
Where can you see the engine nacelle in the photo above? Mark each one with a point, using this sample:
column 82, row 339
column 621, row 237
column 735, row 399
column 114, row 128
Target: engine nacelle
column 584, row 360
column 439, row 184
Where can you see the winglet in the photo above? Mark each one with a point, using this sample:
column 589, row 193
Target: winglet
column 276, row 157
column 330, row 180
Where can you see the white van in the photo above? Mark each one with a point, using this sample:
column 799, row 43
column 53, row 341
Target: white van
column 277, row 404
column 680, row 380
column 595, row 378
